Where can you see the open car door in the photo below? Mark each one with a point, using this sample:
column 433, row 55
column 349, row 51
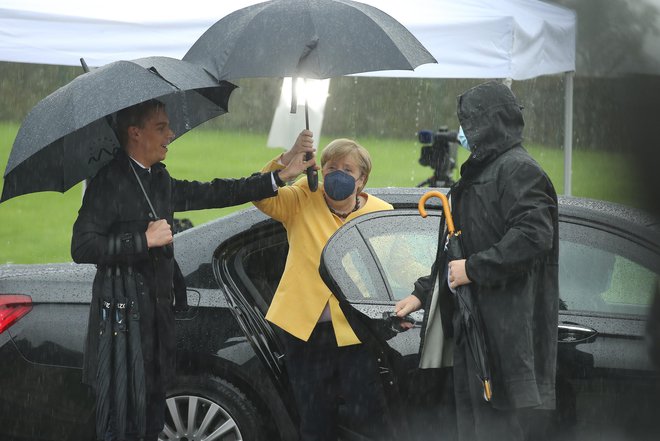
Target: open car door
column 369, row 264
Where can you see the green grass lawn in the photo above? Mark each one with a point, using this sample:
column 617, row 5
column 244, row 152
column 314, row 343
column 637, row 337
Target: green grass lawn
column 36, row 228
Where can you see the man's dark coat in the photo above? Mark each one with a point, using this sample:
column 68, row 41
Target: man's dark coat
column 506, row 208
column 114, row 207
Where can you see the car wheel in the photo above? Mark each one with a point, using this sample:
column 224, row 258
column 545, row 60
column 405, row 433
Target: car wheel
column 205, row 407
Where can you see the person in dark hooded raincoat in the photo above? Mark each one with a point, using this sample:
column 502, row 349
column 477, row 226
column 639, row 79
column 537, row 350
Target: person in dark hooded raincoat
column 114, row 208
column 506, row 207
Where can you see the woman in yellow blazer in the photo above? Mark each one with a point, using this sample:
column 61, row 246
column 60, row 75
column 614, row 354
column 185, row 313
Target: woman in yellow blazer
column 324, row 357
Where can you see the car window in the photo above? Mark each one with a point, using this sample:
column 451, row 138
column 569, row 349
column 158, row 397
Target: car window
column 404, row 256
column 599, row 271
column 381, row 257
column 603, row 272
column 353, row 267
column 363, row 286
column 254, row 261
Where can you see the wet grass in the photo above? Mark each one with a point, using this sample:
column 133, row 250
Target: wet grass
column 36, row 228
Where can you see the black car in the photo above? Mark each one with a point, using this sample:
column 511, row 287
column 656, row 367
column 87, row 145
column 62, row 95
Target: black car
column 231, row 376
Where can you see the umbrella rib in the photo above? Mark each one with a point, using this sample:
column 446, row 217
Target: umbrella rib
column 312, row 45
column 155, row 72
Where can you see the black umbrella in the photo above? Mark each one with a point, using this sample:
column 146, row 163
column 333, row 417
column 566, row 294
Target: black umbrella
column 104, row 357
column 468, row 325
column 119, row 385
column 135, row 361
column 307, row 39
column 120, row 376
column 67, row 137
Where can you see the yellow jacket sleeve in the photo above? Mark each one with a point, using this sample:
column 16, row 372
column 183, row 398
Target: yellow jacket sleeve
column 288, row 200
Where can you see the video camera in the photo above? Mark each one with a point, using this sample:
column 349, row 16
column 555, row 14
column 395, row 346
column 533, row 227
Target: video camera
column 439, row 153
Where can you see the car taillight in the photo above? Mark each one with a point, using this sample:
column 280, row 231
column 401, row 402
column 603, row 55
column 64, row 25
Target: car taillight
column 12, row 308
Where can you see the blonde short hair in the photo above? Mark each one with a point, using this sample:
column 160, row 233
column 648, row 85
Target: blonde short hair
column 342, row 147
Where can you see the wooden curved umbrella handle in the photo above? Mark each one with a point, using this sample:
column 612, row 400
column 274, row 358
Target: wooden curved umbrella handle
column 445, row 207
column 488, row 391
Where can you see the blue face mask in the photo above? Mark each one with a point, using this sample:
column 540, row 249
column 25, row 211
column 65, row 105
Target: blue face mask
column 462, row 139
column 338, row 185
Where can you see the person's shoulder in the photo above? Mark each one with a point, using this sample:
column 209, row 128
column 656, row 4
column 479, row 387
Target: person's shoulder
column 522, row 167
column 519, row 157
column 375, row 203
column 106, row 171
column 299, row 193
column 111, row 172
column 159, row 169
column 519, row 153
column 302, row 186
column 302, row 183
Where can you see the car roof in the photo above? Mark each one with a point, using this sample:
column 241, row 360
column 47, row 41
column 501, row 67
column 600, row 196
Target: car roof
column 196, row 245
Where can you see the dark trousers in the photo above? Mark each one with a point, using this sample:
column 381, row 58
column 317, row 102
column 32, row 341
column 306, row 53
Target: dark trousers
column 477, row 420
column 323, row 375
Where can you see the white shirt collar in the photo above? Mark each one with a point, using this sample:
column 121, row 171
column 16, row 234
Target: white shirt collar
column 138, row 163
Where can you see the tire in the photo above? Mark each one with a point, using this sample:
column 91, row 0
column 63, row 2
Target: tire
column 217, row 406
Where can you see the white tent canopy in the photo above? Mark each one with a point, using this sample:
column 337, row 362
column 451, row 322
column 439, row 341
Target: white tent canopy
column 517, row 39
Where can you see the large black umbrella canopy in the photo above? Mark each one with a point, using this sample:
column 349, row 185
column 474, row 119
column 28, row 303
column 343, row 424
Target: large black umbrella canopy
column 468, row 325
column 306, row 38
column 67, row 136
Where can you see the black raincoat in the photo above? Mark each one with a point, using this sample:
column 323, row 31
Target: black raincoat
column 114, row 208
column 506, row 207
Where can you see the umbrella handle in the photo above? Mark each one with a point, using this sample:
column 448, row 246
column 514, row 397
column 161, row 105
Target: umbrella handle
column 312, row 175
column 445, row 207
column 488, row 392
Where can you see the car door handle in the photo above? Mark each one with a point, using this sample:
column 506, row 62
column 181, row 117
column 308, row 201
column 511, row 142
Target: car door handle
column 395, row 322
column 575, row 333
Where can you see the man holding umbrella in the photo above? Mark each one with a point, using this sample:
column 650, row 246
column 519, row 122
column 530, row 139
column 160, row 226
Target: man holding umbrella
column 506, row 208
column 119, row 226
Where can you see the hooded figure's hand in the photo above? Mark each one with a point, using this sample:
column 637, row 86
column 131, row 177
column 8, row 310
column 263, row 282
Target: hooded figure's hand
column 404, row 307
column 457, row 275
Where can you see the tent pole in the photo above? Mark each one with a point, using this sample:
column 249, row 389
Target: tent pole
column 568, row 132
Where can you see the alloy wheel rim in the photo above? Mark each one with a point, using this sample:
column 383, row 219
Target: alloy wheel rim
column 194, row 418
